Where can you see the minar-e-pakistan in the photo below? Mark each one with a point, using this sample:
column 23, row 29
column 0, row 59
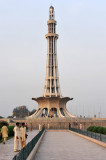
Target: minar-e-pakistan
column 52, row 103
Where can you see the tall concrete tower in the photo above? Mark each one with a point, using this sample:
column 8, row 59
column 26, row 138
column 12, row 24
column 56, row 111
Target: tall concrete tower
column 51, row 104
column 52, row 86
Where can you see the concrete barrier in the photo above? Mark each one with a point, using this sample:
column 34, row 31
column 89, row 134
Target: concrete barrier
column 33, row 153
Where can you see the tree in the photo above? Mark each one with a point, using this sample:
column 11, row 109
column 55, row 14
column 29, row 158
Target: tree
column 32, row 112
column 1, row 117
column 2, row 123
column 20, row 112
column 10, row 117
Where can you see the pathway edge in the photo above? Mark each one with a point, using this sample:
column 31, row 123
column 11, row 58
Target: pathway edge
column 33, row 152
column 90, row 139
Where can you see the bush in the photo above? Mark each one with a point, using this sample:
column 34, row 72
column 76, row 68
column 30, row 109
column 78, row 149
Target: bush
column 10, row 131
column 0, row 135
column 104, row 131
column 3, row 123
column 90, row 128
column 95, row 129
column 100, row 130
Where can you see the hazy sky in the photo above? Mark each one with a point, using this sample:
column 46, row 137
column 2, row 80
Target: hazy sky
column 81, row 25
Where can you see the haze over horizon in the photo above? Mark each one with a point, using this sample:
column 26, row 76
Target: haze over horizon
column 81, row 52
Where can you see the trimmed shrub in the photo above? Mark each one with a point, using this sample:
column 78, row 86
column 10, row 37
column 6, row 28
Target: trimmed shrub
column 0, row 135
column 90, row 128
column 3, row 123
column 95, row 129
column 104, row 131
column 100, row 130
column 10, row 131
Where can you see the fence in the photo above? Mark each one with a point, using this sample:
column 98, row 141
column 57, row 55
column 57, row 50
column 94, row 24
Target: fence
column 98, row 136
column 24, row 153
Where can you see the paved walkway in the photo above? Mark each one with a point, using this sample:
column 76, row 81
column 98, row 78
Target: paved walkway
column 7, row 150
column 67, row 146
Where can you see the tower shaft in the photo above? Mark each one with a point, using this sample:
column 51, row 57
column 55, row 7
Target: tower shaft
column 52, row 86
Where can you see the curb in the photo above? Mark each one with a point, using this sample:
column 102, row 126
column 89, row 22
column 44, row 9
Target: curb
column 89, row 139
column 33, row 152
column 58, row 130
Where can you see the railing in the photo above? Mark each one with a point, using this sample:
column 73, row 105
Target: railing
column 98, row 136
column 24, row 153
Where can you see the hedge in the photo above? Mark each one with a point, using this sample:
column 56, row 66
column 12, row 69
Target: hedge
column 0, row 135
column 2, row 123
column 97, row 129
column 10, row 132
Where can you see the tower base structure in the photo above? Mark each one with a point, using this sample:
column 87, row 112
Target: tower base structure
column 51, row 107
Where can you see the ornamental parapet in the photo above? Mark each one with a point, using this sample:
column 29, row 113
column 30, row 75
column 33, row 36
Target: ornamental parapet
column 51, row 35
column 51, row 21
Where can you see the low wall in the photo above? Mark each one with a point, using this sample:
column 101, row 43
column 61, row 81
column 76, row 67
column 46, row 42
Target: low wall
column 33, row 153
column 5, row 119
column 63, row 123
column 59, row 123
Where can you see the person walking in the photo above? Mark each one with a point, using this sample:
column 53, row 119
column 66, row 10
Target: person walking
column 69, row 125
column 31, row 126
column 26, row 125
column 23, row 135
column 16, row 137
column 80, row 126
column 4, row 132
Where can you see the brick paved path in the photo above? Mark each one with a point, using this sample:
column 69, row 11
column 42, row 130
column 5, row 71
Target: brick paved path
column 67, row 146
column 7, row 150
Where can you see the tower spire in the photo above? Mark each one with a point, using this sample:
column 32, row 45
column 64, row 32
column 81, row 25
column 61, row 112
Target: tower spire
column 51, row 13
column 52, row 87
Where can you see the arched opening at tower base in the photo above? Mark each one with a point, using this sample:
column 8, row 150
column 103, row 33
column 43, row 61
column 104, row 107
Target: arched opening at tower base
column 45, row 112
column 62, row 112
column 53, row 113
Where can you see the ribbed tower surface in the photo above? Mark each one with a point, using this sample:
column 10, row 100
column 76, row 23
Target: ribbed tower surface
column 52, row 86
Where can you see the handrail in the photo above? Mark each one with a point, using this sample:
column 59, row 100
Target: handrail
column 25, row 152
